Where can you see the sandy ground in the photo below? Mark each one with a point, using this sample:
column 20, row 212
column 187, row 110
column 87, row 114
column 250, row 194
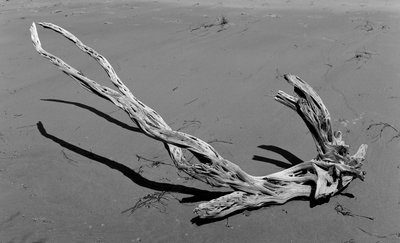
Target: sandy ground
column 69, row 170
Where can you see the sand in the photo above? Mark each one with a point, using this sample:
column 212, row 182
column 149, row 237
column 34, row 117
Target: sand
column 69, row 165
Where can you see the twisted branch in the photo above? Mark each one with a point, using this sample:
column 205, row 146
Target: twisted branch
column 329, row 172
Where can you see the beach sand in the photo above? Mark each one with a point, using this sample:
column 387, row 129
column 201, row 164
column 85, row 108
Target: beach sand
column 73, row 166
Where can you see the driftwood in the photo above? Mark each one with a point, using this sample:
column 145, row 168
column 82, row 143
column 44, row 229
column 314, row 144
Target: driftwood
column 328, row 173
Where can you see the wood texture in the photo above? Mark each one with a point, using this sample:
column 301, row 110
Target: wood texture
column 331, row 170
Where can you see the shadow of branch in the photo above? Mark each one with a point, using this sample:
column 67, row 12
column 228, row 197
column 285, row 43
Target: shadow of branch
column 198, row 194
column 97, row 112
column 291, row 158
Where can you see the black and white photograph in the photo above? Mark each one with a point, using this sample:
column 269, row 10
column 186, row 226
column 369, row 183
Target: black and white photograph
column 184, row 121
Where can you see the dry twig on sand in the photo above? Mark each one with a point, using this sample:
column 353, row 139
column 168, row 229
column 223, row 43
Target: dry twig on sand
column 155, row 200
column 221, row 21
column 383, row 126
column 346, row 212
column 331, row 170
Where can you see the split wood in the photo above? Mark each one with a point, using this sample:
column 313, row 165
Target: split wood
column 328, row 173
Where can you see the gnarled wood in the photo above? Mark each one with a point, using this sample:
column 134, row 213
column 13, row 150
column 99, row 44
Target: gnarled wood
column 329, row 172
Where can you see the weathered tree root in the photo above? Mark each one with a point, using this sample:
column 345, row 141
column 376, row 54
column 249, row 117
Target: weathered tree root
column 328, row 173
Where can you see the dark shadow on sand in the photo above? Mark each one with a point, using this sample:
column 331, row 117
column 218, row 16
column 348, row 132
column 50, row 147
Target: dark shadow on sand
column 97, row 112
column 198, row 194
column 293, row 159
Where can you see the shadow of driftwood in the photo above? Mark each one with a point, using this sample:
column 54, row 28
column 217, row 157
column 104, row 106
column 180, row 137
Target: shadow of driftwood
column 97, row 112
column 293, row 159
column 198, row 194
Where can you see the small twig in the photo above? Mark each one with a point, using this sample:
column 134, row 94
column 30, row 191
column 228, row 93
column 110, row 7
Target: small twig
column 189, row 123
column 155, row 200
column 190, row 102
column 108, row 113
column 384, row 126
column 367, row 26
column 397, row 235
column 68, row 158
column 221, row 21
column 346, row 212
column 394, row 137
column 140, row 170
column 154, row 163
column 362, row 55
